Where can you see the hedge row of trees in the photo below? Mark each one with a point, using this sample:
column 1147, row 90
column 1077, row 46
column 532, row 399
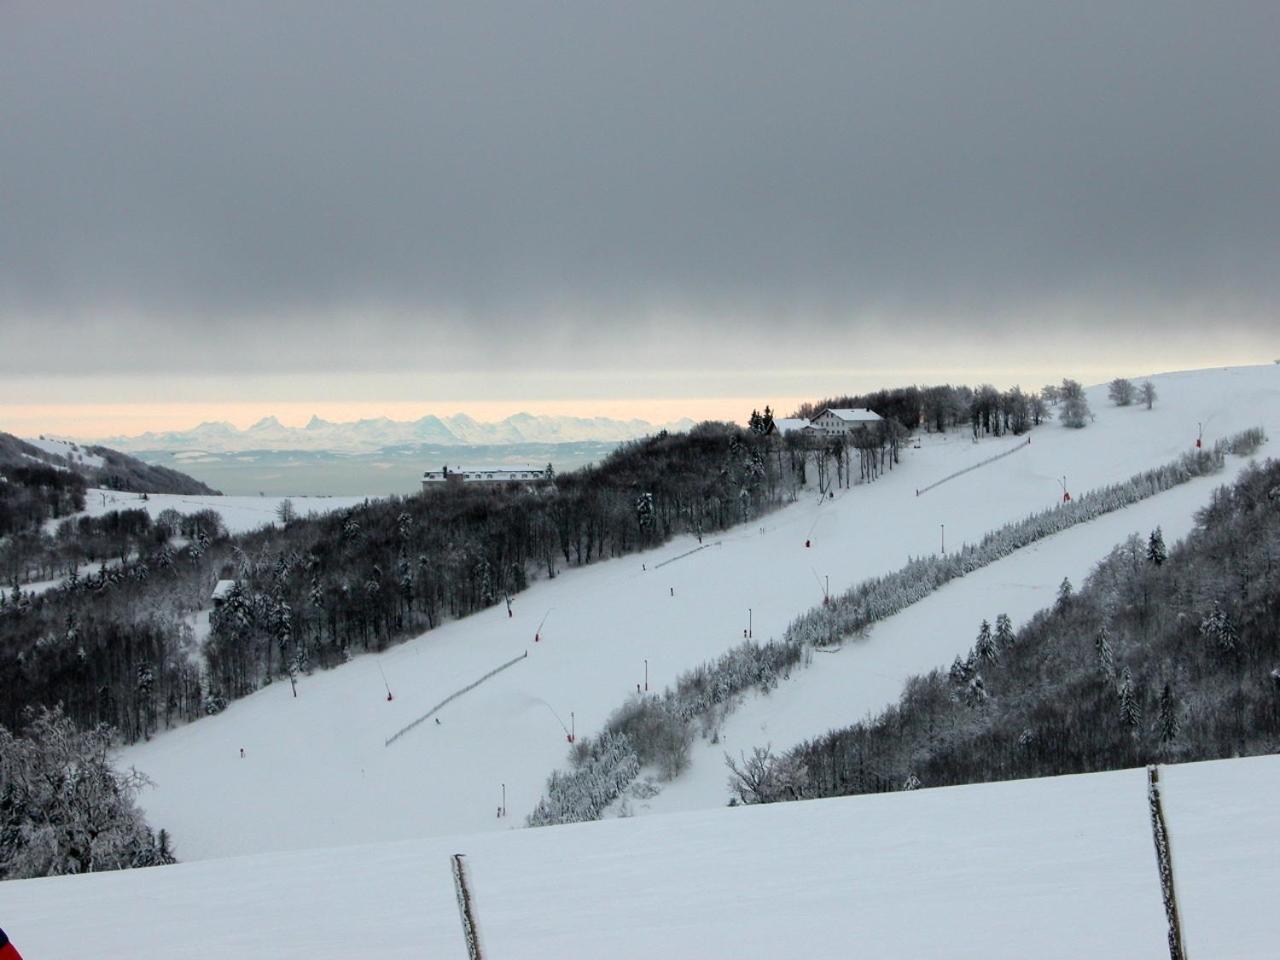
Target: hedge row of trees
column 659, row 729
column 1163, row 656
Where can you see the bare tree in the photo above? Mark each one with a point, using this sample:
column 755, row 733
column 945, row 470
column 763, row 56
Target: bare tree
column 1120, row 392
column 1147, row 393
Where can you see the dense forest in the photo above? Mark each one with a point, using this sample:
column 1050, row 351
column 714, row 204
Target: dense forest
column 1164, row 655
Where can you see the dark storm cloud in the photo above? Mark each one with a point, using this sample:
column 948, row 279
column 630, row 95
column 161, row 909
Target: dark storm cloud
column 541, row 174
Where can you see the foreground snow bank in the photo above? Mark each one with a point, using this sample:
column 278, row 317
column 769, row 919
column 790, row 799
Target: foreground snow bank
column 1061, row 867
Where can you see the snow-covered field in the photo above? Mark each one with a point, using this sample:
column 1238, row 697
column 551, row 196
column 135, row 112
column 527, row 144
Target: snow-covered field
column 1055, row 868
column 239, row 514
column 317, row 772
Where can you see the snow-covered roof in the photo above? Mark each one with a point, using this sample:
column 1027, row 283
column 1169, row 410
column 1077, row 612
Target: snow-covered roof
column 785, row 425
column 223, row 589
column 853, row 414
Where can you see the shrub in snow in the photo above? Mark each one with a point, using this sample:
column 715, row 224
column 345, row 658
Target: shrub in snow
column 605, row 768
column 64, row 808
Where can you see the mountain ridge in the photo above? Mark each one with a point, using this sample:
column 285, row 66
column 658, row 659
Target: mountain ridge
column 376, row 433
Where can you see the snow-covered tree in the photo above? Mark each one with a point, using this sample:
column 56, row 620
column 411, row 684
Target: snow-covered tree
column 66, row 809
column 1168, row 715
column 1005, row 637
column 1218, row 628
column 1075, row 411
column 1120, row 392
column 1156, row 552
column 1147, row 393
column 1064, row 595
column 985, row 648
column 1106, row 658
column 1130, row 709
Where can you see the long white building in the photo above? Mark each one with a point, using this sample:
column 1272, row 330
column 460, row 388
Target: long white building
column 501, row 475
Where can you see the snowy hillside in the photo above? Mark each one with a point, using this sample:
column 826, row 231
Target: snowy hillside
column 66, row 448
column 603, row 622
column 1054, row 868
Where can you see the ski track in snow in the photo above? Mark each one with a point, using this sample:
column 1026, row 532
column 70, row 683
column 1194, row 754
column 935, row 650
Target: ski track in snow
column 317, row 772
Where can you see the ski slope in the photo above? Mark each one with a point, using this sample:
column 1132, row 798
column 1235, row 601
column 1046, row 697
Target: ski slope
column 1054, row 868
column 317, row 771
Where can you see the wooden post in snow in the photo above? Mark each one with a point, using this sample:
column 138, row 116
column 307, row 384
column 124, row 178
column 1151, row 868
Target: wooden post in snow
column 1164, row 862
column 470, row 933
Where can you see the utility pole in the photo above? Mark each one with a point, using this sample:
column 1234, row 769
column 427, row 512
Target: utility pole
column 943, row 527
column 646, row 674
column 750, row 631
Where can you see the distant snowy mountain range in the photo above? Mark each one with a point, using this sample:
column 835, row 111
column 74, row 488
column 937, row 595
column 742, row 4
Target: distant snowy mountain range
column 367, row 436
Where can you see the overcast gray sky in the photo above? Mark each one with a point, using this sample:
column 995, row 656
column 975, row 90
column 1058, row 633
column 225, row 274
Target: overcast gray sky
column 223, row 198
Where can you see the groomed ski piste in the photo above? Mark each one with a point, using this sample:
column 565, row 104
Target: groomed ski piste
column 1060, row 867
column 318, row 771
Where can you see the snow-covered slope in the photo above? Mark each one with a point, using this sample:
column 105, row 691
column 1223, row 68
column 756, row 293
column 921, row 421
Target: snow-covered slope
column 1054, row 868
column 239, row 514
column 66, row 448
column 317, row 771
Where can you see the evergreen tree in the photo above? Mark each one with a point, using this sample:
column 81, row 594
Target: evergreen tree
column 1064, row 595
column 1168, row 715
column 976, row 693
column 1106, row 659
column 1217, row 627
column 1005, row 637
column 1130, row 709
column 164, row 849
column 1156, row 552
column 985, row 649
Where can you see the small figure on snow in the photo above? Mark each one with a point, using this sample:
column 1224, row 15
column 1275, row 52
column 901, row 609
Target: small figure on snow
column 806, row 544
column 673, row 591
column 242, row 753
column 437, row 721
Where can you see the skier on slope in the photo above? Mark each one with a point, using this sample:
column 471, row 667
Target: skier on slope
column 7, row 950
